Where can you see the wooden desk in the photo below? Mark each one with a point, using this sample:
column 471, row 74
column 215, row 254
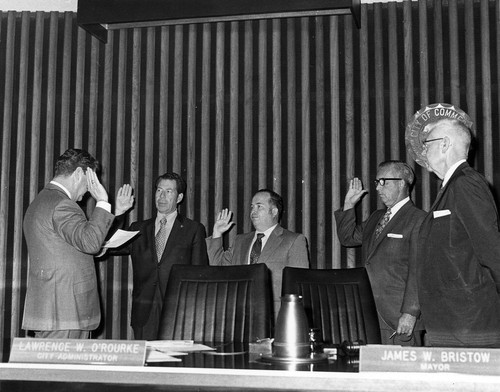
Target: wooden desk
column 55, row 378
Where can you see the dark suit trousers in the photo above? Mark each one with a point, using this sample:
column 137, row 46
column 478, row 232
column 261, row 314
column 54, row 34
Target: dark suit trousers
column 149, row 331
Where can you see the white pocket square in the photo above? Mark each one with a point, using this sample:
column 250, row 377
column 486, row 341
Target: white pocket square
column 393, row 235
column 440, row 213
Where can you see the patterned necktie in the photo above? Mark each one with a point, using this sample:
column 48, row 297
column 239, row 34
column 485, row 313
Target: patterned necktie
column 382, row 223
column 256, row 249
column 161, row 238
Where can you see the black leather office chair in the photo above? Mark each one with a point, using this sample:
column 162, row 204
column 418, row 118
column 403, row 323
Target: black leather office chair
column 217, row 304
column 339, row 302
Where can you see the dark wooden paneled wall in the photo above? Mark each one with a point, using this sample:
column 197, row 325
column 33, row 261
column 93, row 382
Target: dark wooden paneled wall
column 298, row 105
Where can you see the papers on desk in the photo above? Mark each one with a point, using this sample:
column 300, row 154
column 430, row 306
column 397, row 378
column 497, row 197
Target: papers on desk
column 167, row 350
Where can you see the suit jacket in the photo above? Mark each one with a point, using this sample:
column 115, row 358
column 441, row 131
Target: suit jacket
column 459, row 264
column 62, row 290
column 185, row 245
column 387, row 259
column 283, row 249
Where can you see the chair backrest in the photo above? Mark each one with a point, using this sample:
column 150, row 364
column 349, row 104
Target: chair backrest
column 217, row 303
column 339, row 302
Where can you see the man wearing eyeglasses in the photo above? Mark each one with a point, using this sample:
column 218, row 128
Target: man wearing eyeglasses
column 388, row 237
column 458, row 270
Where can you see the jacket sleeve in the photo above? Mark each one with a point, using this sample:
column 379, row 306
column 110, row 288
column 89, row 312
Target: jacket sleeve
column 477, row 213
column 85, row 235
column 298, row 255
column 410, row 303
column 216, row 253
column 348, row 232
column 199, row 250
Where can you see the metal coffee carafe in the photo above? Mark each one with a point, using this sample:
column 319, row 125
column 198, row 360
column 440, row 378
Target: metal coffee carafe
column 291, row 338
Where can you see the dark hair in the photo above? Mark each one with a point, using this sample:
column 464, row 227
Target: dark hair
column 402, row 169
column 276, row 200
column 72, row 159
column 180, row 182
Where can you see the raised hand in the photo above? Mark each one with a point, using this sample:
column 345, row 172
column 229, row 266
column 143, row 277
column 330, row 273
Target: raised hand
column 94, row 187
column 124, row 199
column 354, row 193
column 222, row 223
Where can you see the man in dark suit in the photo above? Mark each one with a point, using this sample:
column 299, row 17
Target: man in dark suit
column 62, row 299
column 167, row 239
column 459, row 245
column 274, row 245
column 388, row 238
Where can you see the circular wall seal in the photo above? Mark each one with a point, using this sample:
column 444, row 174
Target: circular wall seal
column 417, row 129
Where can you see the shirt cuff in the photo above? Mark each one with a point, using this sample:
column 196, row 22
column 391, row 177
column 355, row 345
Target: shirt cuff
column 104, row 205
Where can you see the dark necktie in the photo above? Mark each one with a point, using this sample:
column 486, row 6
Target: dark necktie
column 161, row 238
column 382, row 223
column 256, row 249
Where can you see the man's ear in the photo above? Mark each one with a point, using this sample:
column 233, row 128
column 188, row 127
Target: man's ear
column 180, row 196
column 446, row 143
column 275, row 212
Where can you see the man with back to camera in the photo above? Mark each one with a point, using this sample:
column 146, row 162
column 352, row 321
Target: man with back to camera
column 274, row 245
column 459, row 242
column 388, row 238
column 168, row 238
column 62, row 299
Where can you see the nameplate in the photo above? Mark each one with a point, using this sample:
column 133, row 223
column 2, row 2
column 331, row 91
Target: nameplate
column 79, row 351
column 384, row 358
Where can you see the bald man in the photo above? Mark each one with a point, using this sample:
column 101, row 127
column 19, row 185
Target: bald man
column 458, row 260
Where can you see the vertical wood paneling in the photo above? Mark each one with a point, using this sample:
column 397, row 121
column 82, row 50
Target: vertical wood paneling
column 163, row 82
column 378, row 121
column 21, row 152
column 350, row 140
column 393, row 53
column 423, row 181
column 300, row 105
column 178, row 98
column 276, row 99
column 334, row 147
column 64, row 107
column 205, row 211
column 51, row 96
column 319, row 152
column 262, row 92
column 366, row 126
column 110, row 301
column 454, row 57
column 486, row 137
column 191, row 122
column 305, row 113
column 234, row 92
column 79, row 88
column 248, row 120
column 219, row 116
column 291, row 94
column 36, row 142
column 8, row 91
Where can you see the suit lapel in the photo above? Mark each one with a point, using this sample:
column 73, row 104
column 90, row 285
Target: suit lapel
column 172, row 237
column 394, row 220
column 272, row 243
column 442, row 191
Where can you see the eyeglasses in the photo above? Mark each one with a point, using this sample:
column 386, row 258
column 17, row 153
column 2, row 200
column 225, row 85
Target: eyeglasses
column 381, row 181
column 431, row 140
